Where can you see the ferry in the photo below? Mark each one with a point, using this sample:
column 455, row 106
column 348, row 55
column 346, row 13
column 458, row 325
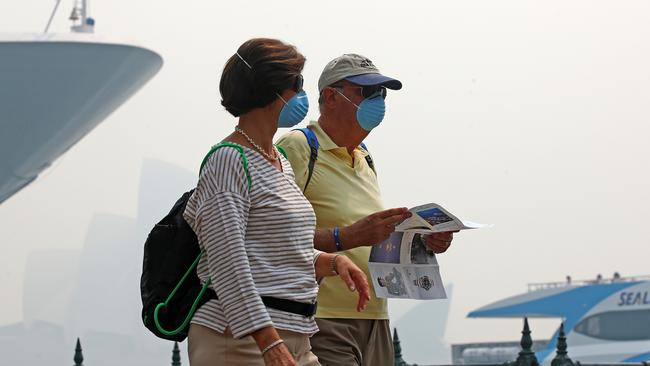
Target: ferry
column 605, row 320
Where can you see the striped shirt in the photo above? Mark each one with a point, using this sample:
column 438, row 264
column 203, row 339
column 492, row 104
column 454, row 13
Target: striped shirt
column 259, row 242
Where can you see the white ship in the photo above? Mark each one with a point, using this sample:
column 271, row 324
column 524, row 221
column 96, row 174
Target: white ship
column 606, row 320
column 55, row 88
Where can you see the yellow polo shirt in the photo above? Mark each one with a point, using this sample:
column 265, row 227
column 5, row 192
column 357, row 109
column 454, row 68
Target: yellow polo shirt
column 342, row 190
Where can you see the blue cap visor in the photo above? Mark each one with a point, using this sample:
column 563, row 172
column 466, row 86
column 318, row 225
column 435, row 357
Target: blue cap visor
column 375, row 79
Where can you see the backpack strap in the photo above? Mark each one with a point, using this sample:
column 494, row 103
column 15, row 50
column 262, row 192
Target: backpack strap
column 241, row 154
column 371, row 163
column 312, row 140
column 281, row 150
column 314, row 145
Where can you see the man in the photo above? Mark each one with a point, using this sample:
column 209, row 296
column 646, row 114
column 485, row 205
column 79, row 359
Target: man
column 343, row 190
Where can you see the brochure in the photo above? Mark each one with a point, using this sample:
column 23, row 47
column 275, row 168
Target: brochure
column 403, row 266
column 432, row 218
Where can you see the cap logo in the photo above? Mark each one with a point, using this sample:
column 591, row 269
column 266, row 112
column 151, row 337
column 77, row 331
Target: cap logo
column 366, row 63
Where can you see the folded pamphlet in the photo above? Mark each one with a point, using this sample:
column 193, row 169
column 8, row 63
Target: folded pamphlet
column 432, row 218
column 403, row 266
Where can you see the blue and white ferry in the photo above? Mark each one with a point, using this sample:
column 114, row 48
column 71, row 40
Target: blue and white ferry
column 605, row 320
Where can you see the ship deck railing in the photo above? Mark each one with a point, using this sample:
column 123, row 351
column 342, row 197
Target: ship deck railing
column 549, row 285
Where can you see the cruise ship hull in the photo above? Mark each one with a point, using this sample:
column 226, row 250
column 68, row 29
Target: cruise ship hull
column 54, row 89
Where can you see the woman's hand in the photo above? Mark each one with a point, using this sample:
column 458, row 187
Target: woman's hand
column 329, row 264
column 354, row 278
column 279, row 356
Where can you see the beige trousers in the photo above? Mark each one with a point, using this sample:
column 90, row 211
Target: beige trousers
column 207, row 347
column 353, row 342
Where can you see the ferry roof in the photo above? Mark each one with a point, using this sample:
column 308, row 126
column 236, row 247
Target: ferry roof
column 556, row 300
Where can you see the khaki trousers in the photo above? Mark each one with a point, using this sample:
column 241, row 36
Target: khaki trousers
column 207, row 347
column 353, row 342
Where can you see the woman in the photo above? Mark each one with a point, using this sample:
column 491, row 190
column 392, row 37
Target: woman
column 256, row 226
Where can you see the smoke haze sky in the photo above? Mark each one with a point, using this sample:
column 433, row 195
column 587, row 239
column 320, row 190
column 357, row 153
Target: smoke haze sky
column 530, row 115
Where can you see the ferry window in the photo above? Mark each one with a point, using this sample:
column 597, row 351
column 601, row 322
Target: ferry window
column 617, row 325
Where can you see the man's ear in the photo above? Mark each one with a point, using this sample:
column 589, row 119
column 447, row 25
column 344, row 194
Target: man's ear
column 329, row 97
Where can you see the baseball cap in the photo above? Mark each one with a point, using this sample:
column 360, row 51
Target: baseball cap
column 356, row 69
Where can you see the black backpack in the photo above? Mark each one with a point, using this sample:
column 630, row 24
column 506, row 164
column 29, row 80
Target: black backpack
column 170, row 289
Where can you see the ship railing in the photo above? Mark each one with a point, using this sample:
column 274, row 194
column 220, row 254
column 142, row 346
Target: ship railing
column 598, row 280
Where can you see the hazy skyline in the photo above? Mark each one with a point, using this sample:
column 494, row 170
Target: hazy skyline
column 529, row 115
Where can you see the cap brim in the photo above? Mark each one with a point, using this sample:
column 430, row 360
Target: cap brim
column 375, row 79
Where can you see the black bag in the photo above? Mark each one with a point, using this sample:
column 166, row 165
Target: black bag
column 171, row 253
column 170, row 289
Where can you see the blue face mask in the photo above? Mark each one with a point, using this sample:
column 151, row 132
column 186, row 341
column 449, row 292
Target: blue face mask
column 370, row 112
column 293, row 111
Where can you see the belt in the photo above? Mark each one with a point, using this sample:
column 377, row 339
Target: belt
column 290, row 306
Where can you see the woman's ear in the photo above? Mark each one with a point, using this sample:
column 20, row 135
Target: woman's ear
column 278, row 103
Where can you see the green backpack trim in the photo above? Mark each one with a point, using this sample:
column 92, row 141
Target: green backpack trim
column 281, row 150
column 244, row 159
column 171, row 295
column 239, row 148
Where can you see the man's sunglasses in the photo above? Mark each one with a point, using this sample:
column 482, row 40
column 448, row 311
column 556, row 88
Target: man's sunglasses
column 366, row 91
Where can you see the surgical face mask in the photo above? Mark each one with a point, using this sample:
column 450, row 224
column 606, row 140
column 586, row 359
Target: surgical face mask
column 294, row 110
column 370, row 112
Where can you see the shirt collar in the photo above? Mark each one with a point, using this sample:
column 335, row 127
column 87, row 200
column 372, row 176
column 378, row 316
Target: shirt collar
column 326, row 142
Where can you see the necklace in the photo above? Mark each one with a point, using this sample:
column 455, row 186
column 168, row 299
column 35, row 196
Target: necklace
column 257, row 147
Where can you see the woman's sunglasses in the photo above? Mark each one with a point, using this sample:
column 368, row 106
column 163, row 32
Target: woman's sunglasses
column 298, row 83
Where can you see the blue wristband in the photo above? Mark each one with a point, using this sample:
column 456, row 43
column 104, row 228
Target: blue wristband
column 337, row 240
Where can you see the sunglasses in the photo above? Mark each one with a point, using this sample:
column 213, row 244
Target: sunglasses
column 366, row 91
column 298, row 83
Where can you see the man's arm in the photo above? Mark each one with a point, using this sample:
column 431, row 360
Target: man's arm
column 370, row 230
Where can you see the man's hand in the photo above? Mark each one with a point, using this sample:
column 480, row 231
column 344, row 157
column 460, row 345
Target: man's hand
column 439, row 242
column 373, row 229
column 354, row 278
